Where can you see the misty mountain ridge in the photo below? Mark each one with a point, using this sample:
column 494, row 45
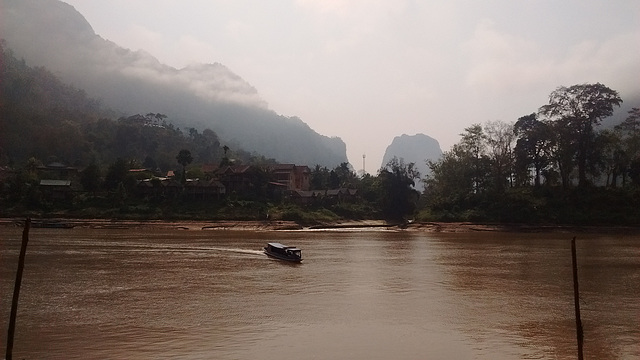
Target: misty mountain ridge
column 52, row 34
column 418, row 149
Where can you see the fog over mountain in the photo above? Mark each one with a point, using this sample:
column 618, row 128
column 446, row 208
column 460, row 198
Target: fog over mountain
column 53, row 34
column 414, row 149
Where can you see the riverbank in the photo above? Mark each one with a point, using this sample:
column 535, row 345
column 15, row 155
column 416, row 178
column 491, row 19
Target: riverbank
column 281, row 225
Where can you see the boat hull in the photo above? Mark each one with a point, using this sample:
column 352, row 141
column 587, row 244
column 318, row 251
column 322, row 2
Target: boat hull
column 282, row 257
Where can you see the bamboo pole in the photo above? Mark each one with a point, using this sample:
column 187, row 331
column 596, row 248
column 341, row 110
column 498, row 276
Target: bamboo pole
column 576, row 299
column 16, row 290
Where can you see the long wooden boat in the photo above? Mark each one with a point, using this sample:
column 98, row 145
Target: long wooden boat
column 283, row 252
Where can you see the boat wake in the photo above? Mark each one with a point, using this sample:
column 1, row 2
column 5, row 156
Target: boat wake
column 237, row 250
column 209, row 249
column 84, row 246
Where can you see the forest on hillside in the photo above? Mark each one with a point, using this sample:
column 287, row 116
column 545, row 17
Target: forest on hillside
column 554, row 166
column 47, row 120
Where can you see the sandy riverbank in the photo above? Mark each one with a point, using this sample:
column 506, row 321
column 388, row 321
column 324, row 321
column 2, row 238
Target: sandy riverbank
column 447, row 227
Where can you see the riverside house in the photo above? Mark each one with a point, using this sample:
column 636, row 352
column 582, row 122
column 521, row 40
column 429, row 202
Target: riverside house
column 294, row 177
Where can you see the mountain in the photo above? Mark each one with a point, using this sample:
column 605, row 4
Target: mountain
column 416, row 149
column 54, row 35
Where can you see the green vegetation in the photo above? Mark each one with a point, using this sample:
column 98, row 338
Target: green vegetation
column 62, row 154
column 553, row 166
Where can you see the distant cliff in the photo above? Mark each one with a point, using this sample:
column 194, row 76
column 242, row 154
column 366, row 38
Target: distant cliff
column 416, row 149
column 53, row 34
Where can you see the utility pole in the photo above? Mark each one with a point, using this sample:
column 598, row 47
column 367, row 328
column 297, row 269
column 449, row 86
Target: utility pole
column 576, row 299
column 16, row 290
column 364, row 171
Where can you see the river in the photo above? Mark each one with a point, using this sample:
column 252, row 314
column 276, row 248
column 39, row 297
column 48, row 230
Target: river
column 182, row 294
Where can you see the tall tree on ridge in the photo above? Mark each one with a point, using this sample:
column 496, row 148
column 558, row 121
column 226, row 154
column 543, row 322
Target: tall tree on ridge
column 580, row 108
column 531, row 147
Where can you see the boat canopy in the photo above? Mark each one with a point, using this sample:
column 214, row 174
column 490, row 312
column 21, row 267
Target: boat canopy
column 284, row 247
column 277, row 245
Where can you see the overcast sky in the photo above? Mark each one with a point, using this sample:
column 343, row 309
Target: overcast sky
column 370, row 70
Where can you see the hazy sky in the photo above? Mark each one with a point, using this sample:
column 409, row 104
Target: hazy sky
column 370, row 70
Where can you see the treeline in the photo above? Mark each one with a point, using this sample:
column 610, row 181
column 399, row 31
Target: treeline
column 554, row 166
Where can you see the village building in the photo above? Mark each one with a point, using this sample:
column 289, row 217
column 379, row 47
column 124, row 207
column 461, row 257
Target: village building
column 204, row 189
column 58, row 181
column 324, row 197
column 235, row 178
column 56, row 189
column 294, row 177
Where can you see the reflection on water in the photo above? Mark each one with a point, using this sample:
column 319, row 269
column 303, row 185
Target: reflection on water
column 123, row 294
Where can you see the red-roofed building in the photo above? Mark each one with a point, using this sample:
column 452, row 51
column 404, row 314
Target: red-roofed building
column 294, row 177
column 209, row 168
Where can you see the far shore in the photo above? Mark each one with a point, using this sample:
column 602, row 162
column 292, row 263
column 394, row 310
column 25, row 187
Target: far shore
column 275, row 225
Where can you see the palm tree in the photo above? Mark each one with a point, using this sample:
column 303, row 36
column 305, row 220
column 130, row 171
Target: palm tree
column 184, row 158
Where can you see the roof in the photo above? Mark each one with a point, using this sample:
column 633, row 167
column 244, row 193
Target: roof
column 276, row 167
column 55, row 182
column 288, row 168
column 278, row 245
column 56, row 164
column 204, row 183
column 209, row 168
column 274, row 183
column 240, row 168
column 234, row 169
column 309, row 193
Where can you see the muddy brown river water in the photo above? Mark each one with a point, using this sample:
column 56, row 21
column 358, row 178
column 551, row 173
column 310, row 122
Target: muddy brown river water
column 360, row 294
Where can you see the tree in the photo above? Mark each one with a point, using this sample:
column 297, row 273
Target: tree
column 116, row 174
column 450, row 184
column 334, row 180
column 614, row 159
column 629, row 134
column 184, row 158
column 398, row 198
column 90, row 178
column 225, row 161
column 580, row 108
column 319, row 178
column 532, row 147
column 367, row 188
column 258, row 185
column 499, row 138
column 346, row 176
column 208, row 146
column 473, row 144
column 149, row 163
column 562, row 152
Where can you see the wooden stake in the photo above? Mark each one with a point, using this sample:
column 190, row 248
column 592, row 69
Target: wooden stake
column 576, row 299
column 16, row 290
